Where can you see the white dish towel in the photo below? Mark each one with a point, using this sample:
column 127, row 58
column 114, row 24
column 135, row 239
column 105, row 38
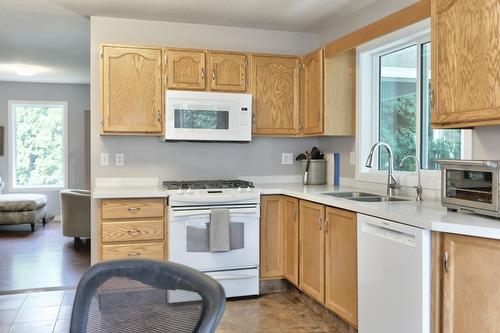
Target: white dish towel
column 219, row 230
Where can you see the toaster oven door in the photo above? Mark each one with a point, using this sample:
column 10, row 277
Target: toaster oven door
column 470, row 187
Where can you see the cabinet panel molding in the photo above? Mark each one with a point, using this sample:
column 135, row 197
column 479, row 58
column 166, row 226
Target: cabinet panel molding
column 227, row 71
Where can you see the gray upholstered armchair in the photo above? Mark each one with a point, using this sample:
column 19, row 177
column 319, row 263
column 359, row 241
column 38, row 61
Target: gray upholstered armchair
column 75, row 213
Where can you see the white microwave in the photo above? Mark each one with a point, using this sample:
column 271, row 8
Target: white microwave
column 208, row 116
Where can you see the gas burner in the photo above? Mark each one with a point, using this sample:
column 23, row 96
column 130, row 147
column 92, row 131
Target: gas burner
column 206, row 184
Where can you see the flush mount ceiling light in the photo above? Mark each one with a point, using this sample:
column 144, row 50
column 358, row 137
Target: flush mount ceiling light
column 23, row 69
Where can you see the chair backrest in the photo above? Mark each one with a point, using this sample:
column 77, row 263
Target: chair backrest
column 146, row 296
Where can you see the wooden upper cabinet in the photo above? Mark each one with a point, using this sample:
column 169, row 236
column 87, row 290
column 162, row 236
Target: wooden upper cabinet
column 275, row 88
column 340, row 94
column 312, row 250
column 271, row 237
column 341, row 293
column 465, row 63
column 227, row 71
column 291, row 243
column 186, row 69
column 469, row 285
column 312, row 85
column 131, row 88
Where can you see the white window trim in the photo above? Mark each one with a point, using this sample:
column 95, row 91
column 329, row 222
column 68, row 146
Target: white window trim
column 11, row 145
column 367, row 102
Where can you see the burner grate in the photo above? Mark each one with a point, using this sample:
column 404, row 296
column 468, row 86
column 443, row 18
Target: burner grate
column 206, row 184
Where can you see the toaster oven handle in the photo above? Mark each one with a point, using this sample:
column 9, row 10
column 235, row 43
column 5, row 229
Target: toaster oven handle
column 489, row 164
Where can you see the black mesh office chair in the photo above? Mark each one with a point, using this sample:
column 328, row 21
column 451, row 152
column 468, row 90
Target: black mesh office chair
column 130, row 296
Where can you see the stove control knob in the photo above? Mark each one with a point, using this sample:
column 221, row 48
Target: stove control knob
column 239, row 189
column 249, row 189
column 189, row 190
column 179, row 191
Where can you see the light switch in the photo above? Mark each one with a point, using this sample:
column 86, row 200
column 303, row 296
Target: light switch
column 104, row 159
column 119, row 159
column 286, row 158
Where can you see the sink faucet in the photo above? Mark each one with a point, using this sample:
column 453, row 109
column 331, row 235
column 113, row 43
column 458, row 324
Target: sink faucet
column 418, row 187
column 392, row 184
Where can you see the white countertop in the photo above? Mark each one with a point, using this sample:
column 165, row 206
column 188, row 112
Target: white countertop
column 426, row 214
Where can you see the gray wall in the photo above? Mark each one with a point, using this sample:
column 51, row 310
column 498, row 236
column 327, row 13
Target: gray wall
column 78, row 98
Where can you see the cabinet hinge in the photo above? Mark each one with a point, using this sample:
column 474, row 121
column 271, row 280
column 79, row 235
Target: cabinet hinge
column 246, row 63
column 302, row 66
column 102, row 123
column 101, row 54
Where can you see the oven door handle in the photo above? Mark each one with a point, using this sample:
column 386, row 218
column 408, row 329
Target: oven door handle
column 177, row 213
column 232, row 276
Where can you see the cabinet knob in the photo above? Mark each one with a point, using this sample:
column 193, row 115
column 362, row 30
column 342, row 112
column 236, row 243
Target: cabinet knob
column 446, row 262
column 327, row 222
column 134, row 209
column 133, row 254
column 158, row 116
column 133, row 232
column 203, row 73
column 213, row 74
column 320, row 222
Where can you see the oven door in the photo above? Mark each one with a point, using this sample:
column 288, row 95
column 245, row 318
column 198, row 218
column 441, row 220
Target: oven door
column 188, row 239
column 470, row 186
column 196, row 116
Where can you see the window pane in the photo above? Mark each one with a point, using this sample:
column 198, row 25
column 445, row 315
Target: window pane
column 39, row 145
column 439, row 143
column 397, row 105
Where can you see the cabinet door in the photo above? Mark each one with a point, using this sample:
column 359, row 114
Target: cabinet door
column 186, row 69
column 271, row 237
column 227, row 71
column 291, row 246
column 470, row 287
column 341, row 294
column 131, row 90
column 312, row 250
column 275, row 88
column 312, row 85
column 465, row 73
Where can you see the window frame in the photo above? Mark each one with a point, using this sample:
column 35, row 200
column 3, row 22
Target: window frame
column 367, row 106
column 13, row 187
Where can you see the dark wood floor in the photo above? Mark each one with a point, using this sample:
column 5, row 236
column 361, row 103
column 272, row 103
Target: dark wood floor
column 41, row 260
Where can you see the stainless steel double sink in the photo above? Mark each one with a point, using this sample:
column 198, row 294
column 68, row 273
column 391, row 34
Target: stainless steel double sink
column 363, row 196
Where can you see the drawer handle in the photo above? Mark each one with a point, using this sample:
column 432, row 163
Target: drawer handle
column 134, row 209
column 133, row 232
column 133, row 254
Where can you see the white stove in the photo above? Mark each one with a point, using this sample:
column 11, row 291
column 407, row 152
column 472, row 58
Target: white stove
column 190, row 204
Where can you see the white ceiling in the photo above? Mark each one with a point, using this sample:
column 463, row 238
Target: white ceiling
column 289, row 15
column 45, row 38
column 52, row 37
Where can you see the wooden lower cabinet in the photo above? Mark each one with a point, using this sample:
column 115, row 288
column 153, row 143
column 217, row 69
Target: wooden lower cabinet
column 341, row 276
column 466, row 284
column 133, row 229
column 271, row 237
column 312, row 250
column 291, row 244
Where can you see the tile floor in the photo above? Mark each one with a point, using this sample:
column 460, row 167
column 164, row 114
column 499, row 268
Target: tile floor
column 40, row 312
column 50, row 312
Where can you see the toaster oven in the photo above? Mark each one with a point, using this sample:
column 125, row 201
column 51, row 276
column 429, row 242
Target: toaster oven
column 470, row 185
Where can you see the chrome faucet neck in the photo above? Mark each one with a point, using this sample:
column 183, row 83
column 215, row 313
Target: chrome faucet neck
column 391, row 181
column 418, row 188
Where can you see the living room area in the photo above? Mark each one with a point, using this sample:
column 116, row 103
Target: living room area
column 44, row 147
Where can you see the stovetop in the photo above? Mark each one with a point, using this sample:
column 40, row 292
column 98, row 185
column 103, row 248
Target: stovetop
column 207, row 184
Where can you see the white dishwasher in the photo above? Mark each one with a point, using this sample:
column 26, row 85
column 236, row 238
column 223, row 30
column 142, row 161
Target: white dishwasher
column 394, row 276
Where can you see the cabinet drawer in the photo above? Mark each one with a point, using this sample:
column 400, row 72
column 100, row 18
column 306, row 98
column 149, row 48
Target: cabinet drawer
column 131, row 208
column 132, row 231
column 133, row 251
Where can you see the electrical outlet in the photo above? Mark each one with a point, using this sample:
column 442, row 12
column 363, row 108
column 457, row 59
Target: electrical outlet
column 119, row 159
column 286, row 158
column 104, row 159
column 352, row 158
